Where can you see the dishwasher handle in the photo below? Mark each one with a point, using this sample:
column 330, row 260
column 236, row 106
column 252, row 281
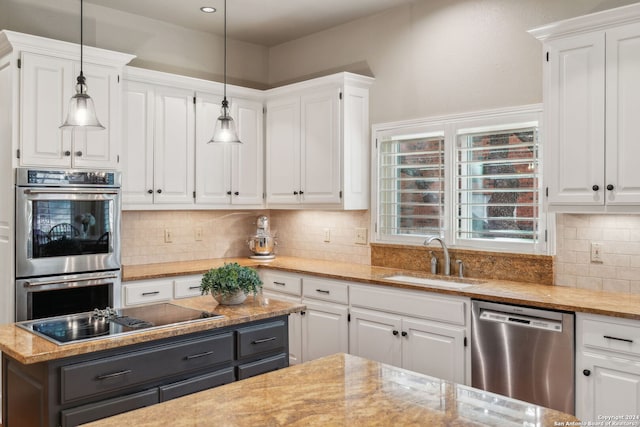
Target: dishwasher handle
column 521, row 320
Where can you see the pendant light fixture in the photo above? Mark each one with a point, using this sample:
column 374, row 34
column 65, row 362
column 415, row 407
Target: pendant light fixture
column 225, row 130
column 82, row 112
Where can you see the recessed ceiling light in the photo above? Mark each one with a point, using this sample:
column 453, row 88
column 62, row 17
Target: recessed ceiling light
column 208, row 9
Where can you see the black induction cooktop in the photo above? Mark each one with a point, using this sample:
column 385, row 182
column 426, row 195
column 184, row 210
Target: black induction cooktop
column 112, row 322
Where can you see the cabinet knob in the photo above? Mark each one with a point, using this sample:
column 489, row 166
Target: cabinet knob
column 236, row 193
column 79, row 153
column 301, row 192
column 610, row 187
column 295, row 193
column 586, row 372
column 229, row 193
column 150, row 191
column 302, row 313
column 158, row 191
column 67, row 153
column 595, row 187
column 395, row 332
column 404, row 333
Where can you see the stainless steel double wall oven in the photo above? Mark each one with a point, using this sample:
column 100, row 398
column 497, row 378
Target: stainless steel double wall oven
column 67, row 241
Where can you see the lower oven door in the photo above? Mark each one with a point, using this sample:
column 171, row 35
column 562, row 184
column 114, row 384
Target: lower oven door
column 62, row 230
column 72, row 293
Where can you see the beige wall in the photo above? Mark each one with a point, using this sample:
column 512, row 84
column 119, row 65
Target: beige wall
column 158, row 45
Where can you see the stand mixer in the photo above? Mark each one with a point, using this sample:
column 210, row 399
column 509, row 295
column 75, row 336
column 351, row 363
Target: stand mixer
column 262, row 243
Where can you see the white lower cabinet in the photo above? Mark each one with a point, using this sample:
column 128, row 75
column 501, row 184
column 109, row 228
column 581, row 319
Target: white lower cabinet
column 607, row 368
column 160, row 290
column 430, row 347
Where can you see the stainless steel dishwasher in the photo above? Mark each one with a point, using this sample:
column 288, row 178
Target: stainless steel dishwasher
column 524, row 353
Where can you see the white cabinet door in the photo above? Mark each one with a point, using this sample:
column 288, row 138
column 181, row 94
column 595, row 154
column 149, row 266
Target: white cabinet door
column 137, row 144
column 433, row 349
column 174, row 146
column 283, row 151
column 325, row 329
column 574, row 103
column 623, row 110
column 99, row 148
column 247, row 159
column 295, row 327
column 320, row 147
column 612, row 387
column 213, row 161
column 45, row 90
column 375, row 335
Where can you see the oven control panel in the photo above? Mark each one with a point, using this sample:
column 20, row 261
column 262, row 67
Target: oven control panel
column 61, row 178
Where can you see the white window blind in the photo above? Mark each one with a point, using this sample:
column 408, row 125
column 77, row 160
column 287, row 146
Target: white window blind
column 498, row 184
column 411, row 184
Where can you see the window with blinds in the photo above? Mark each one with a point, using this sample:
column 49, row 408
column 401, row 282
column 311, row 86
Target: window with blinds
column 411, row 188
column 497, row 194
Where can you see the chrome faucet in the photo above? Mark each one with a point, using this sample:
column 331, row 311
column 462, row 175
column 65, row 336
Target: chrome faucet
column 447, row 260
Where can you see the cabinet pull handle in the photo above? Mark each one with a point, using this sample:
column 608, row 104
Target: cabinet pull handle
column 150, row 191
column 295, row 193
column 586, row 372
column 610, row 187
column 67, row 153
column 194, row 287
column 115, row 374
column 404, row 334
column 263, row 340
column 395, row 332
column 322, row 291
column 279, row 283
column 195, row 356
column 159, row 191
column 79, row 153
column 237, row 193
column 229, row 193
column 617, row 339
column 147, row 294
column 302, row 313
column 595, row 187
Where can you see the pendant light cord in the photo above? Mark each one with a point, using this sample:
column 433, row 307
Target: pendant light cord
column 81, row 76
column 225, row 52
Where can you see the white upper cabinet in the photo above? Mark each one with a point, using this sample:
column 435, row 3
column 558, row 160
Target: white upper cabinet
column 46, row 71
column 592, row 101
column 229, row 174
column 317, row 145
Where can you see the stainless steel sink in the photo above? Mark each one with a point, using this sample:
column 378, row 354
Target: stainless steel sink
column 439, row 283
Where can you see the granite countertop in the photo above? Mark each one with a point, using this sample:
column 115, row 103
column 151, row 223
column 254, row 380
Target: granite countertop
column 341, row 390
column 543, row 296
column 28, row 348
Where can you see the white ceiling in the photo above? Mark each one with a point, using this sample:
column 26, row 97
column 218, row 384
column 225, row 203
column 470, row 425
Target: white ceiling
column 264, row 22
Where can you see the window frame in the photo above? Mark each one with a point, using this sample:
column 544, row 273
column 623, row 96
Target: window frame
column 451, row 125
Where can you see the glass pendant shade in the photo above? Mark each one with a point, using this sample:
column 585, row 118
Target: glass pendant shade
column 225, row 130
column 82, row 112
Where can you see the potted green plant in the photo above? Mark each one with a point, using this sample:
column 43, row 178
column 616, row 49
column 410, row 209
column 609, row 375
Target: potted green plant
column 231, row 283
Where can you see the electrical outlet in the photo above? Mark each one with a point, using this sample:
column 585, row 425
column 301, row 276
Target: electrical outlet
column 361, row 236
column 168, row 236
column 596, row 252
column 327, row 235
column 197, row 234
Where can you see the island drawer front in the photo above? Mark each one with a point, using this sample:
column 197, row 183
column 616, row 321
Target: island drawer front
column 285, row 283
column 94, row 377
column 326, row 290
column 187, row 287
column 418, row 304
column 193, row 385
column 107, row 408
column 618, row 336
column 147, row 292
column 262, row 366
column 258, row 339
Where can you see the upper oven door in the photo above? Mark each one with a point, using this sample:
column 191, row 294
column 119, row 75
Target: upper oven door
column 66, row 230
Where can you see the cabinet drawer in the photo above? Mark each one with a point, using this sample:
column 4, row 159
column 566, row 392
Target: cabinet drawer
column 94, row 377
column 147, row 292
column 261, row 338
column 326, row 290
column 193, row 385
column 613, row 335
column 107, row 408
column 262, row 366
column 280, row 282
column 418, row 304
column 187, row 287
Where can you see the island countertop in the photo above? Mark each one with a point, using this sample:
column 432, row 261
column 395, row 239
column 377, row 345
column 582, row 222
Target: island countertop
column 341, row 390
column 28, row 348
column 510, row 292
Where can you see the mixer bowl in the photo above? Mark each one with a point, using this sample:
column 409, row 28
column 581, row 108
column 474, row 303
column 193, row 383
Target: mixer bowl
column 261, row 245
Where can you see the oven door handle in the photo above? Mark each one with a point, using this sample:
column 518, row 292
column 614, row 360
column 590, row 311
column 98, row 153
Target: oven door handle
column 69, row 191
column 55, row 282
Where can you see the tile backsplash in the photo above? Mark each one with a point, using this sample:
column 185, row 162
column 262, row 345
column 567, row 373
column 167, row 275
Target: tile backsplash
column 619, row 239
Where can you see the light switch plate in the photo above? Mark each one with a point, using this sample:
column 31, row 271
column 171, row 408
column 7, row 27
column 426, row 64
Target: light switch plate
column 361, row 236
column 596, row 252
column 168, row 236
column 327, row 235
